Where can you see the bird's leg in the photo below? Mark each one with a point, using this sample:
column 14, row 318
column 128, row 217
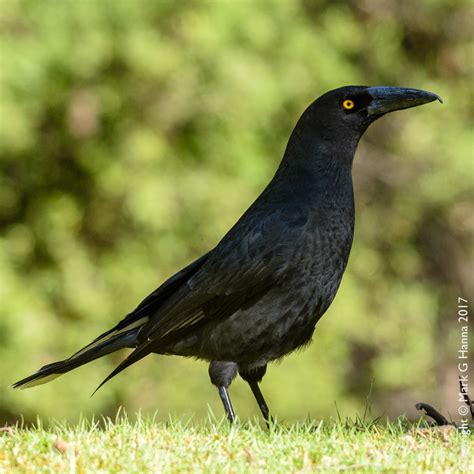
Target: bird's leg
column 227, row 403
column 253, row 377
column 222, row 373
column 260, row 400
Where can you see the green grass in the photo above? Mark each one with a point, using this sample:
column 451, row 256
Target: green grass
column 145, row 446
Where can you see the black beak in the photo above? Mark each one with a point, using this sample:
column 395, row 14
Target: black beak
column 388, row 99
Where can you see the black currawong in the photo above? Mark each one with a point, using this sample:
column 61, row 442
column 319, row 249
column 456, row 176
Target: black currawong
column 259, row 293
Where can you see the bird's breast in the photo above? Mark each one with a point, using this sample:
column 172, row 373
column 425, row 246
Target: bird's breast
column 320, row 259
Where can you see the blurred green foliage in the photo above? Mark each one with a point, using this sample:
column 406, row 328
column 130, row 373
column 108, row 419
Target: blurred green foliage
column 134, row 133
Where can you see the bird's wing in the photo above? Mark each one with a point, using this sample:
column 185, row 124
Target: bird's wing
column 247, row 262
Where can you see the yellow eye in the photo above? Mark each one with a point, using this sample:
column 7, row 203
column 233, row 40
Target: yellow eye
column 348, row 104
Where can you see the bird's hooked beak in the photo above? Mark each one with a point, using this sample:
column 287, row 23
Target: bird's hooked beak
column 388, row 99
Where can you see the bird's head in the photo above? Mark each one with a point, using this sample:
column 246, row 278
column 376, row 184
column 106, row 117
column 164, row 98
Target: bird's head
column 332, row 125
column 356, row 107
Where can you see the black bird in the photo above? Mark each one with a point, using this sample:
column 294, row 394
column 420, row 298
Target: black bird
column 259, row 293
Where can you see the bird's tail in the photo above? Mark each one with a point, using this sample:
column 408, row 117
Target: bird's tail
column 98, row 348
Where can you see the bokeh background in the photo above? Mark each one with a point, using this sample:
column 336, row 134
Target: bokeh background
column 134, row 133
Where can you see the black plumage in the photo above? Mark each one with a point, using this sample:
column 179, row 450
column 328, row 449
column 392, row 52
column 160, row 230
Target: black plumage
column 259, row 293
